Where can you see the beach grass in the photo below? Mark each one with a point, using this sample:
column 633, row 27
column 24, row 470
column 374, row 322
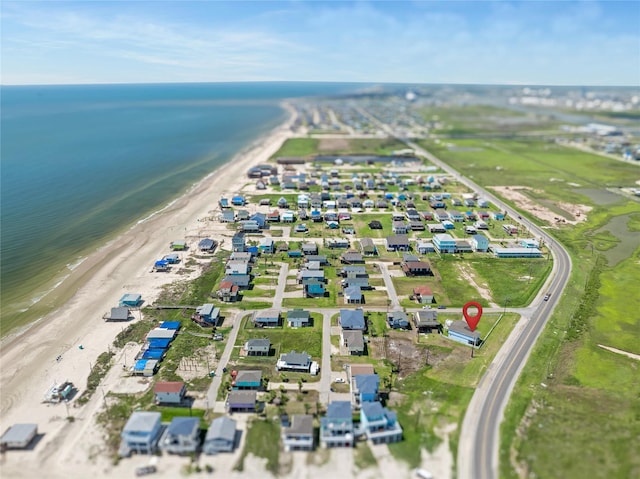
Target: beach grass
column 263, row 437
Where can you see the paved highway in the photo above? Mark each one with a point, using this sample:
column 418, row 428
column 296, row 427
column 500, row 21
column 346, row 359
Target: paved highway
column 478, row 450
column 479, row 446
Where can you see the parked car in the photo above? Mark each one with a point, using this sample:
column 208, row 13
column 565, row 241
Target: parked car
column 442, row 306
column 339, row 380
column 301, row 228
column 423, row 474
column 145, row 470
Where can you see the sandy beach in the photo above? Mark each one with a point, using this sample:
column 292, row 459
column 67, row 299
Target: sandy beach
column 77, row 333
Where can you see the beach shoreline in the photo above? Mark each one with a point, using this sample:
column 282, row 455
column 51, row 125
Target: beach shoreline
column 76, row 332
column 69, row 282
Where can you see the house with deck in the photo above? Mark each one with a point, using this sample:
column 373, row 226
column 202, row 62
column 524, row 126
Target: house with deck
column 351, row 257
column 131, row 300
column 267, row 318
column 170, row 392
column 379, row 424
column 397, row 243
column 353, row 294
column 249, row 379
column 426, row 321
column 353, row 341
column 423, row 294
column 207, row 245
column 424, row 247
column 141, row 433
column 297, row 362
column 257, row 347
column 227, row 292
column 364, row 388
column 444, row 243
column 336, row 427
column 298, row 318
column 416, row 268
column 221, row 436
column 299, row 435
column 182, row 436
column 240, row 280
column 367, row 247
column 208, row 314
column 314, row 288
column 241, row 401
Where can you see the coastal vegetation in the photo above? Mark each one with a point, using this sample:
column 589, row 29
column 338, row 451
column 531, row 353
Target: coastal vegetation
column 571, row 389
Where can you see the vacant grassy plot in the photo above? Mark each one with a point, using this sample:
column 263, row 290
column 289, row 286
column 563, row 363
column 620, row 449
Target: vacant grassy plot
column 363, row 457
column 361, row 223
column 534, row 163
column 283, row 339
column 426, row 405
column 298, row 147
column 263, row 436
column 514, row 281
column 483, row 119
column 457, row 291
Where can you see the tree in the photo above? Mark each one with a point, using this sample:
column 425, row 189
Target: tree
column 300, row 385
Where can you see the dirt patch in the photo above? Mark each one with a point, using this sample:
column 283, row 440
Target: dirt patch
column 399, row 348
column 333, row 144
column 575, row 213
column 467, row 274
column 198, row 365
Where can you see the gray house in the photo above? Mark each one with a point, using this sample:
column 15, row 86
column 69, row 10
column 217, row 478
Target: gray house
column 221, row 436
column 19, row 436
column 243, row 401
column 267, row 318
column 299, row 436
column 353, row 341
column 298, row 318
column 397, row 243
column 182, row 436
column 367, row 247
column 426, row 320
column 257, row 347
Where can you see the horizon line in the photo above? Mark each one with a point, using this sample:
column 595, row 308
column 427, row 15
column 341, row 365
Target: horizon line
column 373, row 83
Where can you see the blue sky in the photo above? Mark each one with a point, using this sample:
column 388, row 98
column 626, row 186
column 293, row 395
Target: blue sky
column 557, row 43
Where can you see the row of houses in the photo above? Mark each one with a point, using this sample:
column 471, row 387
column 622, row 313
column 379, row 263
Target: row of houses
column 153, row 351
column 144, row 433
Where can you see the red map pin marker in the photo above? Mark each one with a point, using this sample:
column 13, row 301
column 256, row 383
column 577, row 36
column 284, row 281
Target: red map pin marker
column 472, row 321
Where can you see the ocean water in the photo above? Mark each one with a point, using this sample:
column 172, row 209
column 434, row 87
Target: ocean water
column 79, row 163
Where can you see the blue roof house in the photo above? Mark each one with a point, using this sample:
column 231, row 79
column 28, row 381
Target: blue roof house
column 131, row 300
column 352, row 319
column 266, row 245
column 208, row 313
column 480, row 243
column 336, row 428
column 182, row 436
column 259, row 218
column 365, row 388
column 238, row 200
column 141, row 433
column 379, row 423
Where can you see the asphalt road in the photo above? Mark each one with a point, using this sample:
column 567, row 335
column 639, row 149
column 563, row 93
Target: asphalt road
column 479, row 446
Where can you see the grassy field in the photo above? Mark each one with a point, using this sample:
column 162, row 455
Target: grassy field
column 263, row 435
column 571, row 389
column 484, row 119
column 540, row 165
